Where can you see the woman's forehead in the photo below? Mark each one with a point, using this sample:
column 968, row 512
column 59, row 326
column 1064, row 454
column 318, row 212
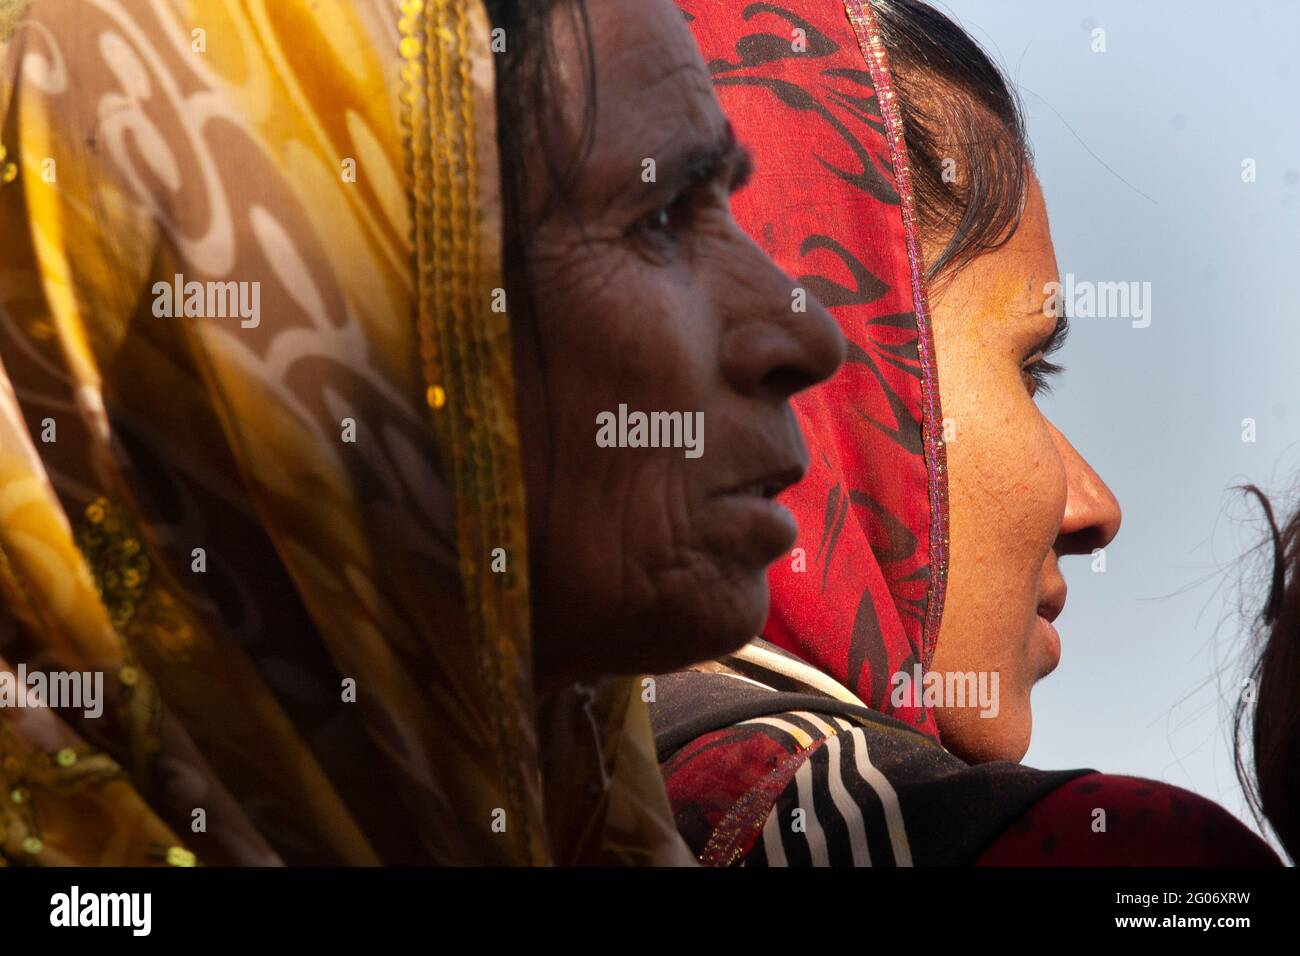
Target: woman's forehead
column 654, row 104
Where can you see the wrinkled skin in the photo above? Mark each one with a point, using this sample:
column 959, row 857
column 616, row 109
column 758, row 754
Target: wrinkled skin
column 648, row 294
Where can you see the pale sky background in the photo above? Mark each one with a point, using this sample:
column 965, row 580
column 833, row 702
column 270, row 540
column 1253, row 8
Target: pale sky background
column 1185, row 91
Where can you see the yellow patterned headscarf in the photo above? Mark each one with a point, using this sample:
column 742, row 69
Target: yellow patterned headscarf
column 259, row 461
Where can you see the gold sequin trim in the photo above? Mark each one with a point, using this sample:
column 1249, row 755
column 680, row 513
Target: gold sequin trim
column 464, row 350
column 24, row 775
column 113, row 550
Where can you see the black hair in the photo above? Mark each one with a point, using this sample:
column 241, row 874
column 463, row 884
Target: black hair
column 962, row 118
column 1270, row 729
column 963, row 125
column 527, row 101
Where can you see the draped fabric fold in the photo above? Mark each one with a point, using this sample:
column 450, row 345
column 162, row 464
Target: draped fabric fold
column 259, row 456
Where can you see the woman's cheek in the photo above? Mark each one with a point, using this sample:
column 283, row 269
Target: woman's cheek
column 1047, row 484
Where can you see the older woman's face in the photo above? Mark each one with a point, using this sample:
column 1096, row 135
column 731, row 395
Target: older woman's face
column 648, row 298
column 1020, row 495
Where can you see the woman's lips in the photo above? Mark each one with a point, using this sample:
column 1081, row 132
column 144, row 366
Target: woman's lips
column 760, row 504
column 763, row 527
column 1049, row 609
column 759, row 489
column 769, row 485
column 1052, row 639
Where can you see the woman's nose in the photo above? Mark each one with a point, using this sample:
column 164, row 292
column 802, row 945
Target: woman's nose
column 1092, row 513
column 779, row 338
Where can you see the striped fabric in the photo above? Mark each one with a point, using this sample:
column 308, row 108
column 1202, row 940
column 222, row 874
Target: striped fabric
column 839, row 810
column 765, row 769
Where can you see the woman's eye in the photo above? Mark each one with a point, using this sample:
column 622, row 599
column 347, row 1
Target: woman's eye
column 664, row 226
column 1037, row 369
column 1038, row 376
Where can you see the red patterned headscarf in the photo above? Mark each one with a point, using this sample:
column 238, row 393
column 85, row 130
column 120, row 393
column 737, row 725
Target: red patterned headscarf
column 807, row 88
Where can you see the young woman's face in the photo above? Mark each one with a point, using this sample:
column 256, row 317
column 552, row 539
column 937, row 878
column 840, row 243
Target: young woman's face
column 1020, row 495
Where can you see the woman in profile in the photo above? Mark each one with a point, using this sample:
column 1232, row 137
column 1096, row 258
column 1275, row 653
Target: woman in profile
column 307, row 323
column 882, row 715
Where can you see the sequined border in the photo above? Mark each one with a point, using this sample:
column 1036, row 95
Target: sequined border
column 465, row 359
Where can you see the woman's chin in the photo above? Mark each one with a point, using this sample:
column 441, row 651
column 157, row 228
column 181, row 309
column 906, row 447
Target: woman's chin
column 728, row 617
column 977, row 739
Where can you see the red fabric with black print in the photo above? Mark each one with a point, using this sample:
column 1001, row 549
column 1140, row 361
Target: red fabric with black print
column 853, row 600
column 722, row 786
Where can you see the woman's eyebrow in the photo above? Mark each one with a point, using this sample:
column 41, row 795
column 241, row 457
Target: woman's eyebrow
column 707, row 164
column 744, row 168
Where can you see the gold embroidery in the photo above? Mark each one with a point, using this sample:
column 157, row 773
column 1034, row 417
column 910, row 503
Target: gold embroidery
column 179, row 856
column 65, row 771
column 116, row 560
column 161, row 623
column 122, row 572
column 111, row 546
